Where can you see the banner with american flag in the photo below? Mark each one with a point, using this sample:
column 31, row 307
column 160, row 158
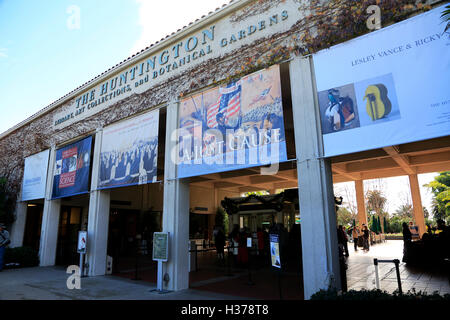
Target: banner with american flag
column 233, row 126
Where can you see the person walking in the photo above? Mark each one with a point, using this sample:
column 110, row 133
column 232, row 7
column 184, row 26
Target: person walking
column 4, row 241
column 355, row 235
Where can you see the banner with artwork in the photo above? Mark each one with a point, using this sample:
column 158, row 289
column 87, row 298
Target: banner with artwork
column 72, row 168
column 385, row 88
column 35, row 176
column 129, row 152
column 231, row 127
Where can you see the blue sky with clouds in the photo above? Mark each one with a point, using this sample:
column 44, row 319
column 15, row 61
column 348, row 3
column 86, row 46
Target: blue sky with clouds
column 48, row 48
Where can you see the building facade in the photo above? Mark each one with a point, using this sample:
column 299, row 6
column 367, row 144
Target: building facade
column 229, row 49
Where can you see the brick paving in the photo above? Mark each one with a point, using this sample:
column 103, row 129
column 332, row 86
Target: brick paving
column 361, row 271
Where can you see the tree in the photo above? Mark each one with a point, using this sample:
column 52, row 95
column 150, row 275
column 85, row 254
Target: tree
column 221, row 219
column 344, row 216
column 7, row 203
column 426, row 214
column 404, row 211
column 440, row 187
column 376, row 201
column 446, row 17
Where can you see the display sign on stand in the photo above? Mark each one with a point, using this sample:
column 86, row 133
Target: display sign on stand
column 275, row 250
column 160, row 254
column 81, row 248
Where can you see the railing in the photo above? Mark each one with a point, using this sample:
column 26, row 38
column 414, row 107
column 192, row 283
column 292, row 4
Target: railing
column 397, row 269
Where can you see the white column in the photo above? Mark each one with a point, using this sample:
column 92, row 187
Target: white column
column 50, row 219
column 98, row 218
column 18, row 227
column 175, row 212
column 97, row 241
column 316, row 198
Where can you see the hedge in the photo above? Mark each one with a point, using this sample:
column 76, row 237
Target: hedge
column 21, row 257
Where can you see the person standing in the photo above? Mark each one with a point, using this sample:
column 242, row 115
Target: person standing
column 365, row 238
column 345, row 237
column 355, row 235
column 4, row 241
column 219, row 241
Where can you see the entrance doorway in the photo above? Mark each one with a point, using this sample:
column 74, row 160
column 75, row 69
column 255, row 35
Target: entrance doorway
column 32, row 235
column 130, row 242
column 69, row 225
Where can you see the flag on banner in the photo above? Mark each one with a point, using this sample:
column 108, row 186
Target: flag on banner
column 72, row 165
column 261, row 96
column 228, row 104
column 223, row 130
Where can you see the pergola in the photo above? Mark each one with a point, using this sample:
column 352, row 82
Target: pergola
column 408, row 159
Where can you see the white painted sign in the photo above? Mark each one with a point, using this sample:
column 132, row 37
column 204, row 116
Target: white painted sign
column 35, row 176
column 224, row 36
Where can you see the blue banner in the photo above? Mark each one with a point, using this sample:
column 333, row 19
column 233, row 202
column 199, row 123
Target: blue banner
column 72, row 169
column 237, row 126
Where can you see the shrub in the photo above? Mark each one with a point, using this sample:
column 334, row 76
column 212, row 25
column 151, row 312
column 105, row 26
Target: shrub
column 376, row 294
column 24, row 256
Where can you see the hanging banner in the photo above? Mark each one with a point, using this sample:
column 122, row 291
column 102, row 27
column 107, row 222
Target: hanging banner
column 35, row 176
column 386, row 88
column 232, row 127
column 72, row 166
column 129, row 152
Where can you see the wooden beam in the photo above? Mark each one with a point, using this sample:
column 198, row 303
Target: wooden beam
column 370, row 165
column 401, row 160
column 430, row 158
column 341, row 169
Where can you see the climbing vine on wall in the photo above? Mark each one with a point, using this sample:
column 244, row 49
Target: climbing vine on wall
column 325, row 23
column 332, row 22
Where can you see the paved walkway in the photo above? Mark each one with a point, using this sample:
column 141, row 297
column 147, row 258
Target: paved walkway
column 361, row 271
column 49, row 283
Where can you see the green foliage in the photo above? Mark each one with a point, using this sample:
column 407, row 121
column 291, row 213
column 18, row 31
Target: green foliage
column 376, row 294
column 7, row 203
column 440, row 187
column 395, row 224
column 221, row 219
column 344, row 216
column 24, row 256
column 404, row 211
column 376, row 201
column 446, row 16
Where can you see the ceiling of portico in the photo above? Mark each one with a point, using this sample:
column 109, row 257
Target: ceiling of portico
column 413, row 158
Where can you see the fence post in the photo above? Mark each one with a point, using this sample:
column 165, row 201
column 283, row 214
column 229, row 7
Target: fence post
column 377, row 278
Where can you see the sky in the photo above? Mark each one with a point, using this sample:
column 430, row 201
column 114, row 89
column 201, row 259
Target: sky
column 49, row 48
